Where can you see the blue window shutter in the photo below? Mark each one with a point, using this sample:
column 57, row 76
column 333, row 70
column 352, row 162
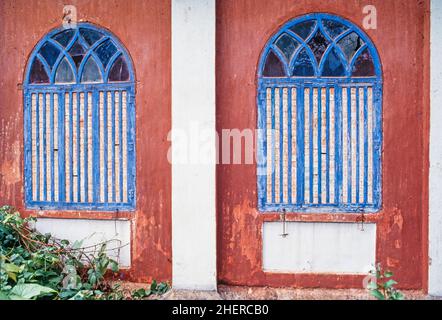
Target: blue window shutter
column 319, row 118
column 79, row 130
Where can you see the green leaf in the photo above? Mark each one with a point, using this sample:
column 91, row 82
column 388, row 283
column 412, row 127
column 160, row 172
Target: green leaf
column 390, row 283
column 140, row 293
column 12, row 276
column 30, row 290
column 397, row 295
column 9, row 267
column 377, row 294
column 4, row 296
column 114, row 266
column 77, row 244
column 388, row 274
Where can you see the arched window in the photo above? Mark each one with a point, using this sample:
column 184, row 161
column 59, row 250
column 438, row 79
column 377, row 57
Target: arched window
column 79, row 100
column 319, row 111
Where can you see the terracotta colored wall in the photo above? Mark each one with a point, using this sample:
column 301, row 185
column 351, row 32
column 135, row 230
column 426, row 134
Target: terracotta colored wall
column 402, row 39
column 143, row 26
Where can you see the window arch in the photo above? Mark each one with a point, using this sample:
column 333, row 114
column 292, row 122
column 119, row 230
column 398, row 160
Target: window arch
column 79, row 106
column 319, row 115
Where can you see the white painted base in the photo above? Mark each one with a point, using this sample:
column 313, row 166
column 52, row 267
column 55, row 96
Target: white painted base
column 340, row 248
column 92, row 232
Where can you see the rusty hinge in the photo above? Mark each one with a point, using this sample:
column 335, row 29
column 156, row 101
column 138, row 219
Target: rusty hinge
column 361, row 220
column 284, row 224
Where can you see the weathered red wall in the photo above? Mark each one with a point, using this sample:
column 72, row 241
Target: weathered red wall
column 402, row 39
column 143, row 26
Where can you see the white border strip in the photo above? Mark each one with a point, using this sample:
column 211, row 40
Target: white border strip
column 435, row 209
column 193, row 106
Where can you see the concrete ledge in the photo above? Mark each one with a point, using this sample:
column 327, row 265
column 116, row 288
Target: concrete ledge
column 266, row 293
column 191, row 295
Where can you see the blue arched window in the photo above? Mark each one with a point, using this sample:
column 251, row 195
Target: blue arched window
column 319, row 115
column 79, row 107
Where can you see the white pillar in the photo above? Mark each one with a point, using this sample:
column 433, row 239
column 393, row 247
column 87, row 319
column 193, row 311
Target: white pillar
column 193, row 177
column 435, row 219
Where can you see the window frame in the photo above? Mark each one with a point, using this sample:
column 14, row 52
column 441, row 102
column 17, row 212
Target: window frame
column 78, row 87
column 317, row 80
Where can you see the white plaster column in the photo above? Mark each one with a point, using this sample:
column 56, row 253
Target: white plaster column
column 193, row 177
column 435, row 219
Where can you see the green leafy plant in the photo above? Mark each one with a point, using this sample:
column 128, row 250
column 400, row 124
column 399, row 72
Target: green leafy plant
column 38, row 266
column 381, row 285
column 154, row 289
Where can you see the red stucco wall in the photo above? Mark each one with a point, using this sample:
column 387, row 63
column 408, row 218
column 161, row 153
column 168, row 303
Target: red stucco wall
column 402, row 39
column 143, row 26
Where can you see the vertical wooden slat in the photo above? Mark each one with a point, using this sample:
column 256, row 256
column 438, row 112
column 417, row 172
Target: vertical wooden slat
column 353, row 132
column 49, row 146
column 332, row 145
column 85, row 180
column 110, row 144
column 365, row 145
column 105, row 146
column 301, row 95
column 370, row 146
column 307, row 144
column 68, row 145
column 34, row 126
column 72, row 145
column 361, row 144
column 285, row 154
column 90, row 150
column 41, row 106
column 269, row 143
column 55, row 137
column 125, row 155
column 81, row 153
column 277, row 146
column 101, row 148
column 96, row 142
column 117, row 146
column 294, row 136
column 120, row 143
column 315, row 151
column 62, row 146
column 345, row 146
column 357, row 145
column 323, row 148
column 75, row 147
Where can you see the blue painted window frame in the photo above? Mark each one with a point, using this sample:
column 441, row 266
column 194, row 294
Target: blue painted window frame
column 318, row 81
column 79, row 87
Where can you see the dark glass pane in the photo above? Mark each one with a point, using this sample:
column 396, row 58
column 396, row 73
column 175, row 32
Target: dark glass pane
column 77, row 53
column 333, row 66
column 304, row 29
column 50, row 53
column 303, row 66
column 64, row 73
column 38, row 73
column 334, row 28
column 64, row 37
column 287, row 45
column 364, row 66
column 273, row 66
column 90, row 36
column 318, row 44
column 350, row 44
column 119, row 70
column 105, row 51
column 91, row 72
